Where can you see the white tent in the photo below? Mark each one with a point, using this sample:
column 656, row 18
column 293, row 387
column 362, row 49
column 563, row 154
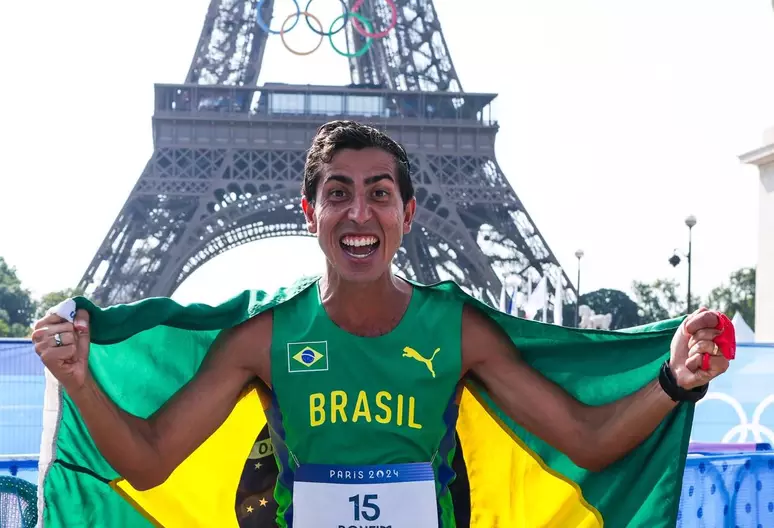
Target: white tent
column 744, row 334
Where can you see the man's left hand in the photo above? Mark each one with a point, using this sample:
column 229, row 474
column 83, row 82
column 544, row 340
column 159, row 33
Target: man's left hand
column 692, row 340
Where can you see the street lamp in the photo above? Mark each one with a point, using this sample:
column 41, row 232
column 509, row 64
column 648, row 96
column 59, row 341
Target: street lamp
column 690, row 221
column 579, row 256
column 674, row 260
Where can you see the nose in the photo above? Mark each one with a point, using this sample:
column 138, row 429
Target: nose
column 360, row 211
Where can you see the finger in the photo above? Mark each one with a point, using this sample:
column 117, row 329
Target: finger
column 683, row 327
column 41, row 334
column 691, row 380
column 703, row 319
column 82, row 329
column 50, row 341
column 704, row 347
column 63, row 354
column 81, row 321
column 65, row 338
column 49, row 319
column 705, row 334
column 694, row 314
column 717, row 365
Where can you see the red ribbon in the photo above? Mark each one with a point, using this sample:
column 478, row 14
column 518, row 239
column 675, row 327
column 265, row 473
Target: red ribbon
column 726, row 341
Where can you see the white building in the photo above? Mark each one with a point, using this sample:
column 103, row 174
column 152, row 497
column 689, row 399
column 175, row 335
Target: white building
column 763, row 158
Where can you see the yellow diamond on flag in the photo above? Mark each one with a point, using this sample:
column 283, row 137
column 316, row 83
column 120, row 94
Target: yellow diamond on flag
column 308, row 356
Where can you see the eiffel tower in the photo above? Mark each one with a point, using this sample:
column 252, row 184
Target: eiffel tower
column 228, row 160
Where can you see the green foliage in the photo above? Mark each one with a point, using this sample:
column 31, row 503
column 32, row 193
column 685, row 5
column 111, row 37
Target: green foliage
column 624, row 310
column 18, row 310
column 16, row 305
column 658, row 300
column 12, row 330
column 738, row 295
column 662, row 299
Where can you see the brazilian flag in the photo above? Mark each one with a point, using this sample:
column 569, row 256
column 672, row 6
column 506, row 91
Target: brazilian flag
column 142, row 353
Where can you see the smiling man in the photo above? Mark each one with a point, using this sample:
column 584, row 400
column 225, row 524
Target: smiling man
column 364, row 369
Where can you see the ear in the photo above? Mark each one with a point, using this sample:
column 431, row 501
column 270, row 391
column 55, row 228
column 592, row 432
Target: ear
column 408, row 215
column 311, row 224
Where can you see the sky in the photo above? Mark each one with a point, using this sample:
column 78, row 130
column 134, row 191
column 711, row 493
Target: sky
column 617, row 120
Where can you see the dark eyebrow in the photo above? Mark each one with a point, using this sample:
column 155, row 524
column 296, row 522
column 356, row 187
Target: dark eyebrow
column 378, row 177
column 343, row 179
column 368, row 181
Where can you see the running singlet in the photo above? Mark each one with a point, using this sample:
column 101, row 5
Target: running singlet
column 363, row 427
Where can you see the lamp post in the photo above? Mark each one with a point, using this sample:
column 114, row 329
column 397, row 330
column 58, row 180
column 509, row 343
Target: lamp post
column 690, row 221
column 579, row 256
column 674, row 260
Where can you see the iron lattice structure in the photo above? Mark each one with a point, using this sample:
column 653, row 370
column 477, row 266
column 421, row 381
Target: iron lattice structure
column 229, row 156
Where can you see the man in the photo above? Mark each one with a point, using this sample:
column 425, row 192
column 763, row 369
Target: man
column 394, row 411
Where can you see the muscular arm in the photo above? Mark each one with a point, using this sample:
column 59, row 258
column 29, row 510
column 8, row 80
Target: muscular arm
column 146, row 451
column 591, row 436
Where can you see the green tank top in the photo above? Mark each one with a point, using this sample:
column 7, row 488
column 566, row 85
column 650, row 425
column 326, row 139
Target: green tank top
column 338, row 398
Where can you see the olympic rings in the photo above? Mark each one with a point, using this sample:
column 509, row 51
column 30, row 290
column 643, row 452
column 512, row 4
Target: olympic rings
column 744, row 427
column 266, row 28
column 329, row 33
column 308, row 16
column 362, row 25
column 367, row 44
column 368, row 34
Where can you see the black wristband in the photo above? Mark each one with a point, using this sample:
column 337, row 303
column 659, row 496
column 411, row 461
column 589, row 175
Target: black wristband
column 675, row 391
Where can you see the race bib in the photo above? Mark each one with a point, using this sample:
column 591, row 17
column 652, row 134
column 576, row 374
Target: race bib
column 384, row 496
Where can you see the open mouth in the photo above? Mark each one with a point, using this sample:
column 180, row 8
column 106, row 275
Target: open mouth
column 359, row 247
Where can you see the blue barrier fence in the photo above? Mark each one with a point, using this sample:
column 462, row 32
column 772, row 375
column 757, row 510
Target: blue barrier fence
column 21, row 398
column 728, row 489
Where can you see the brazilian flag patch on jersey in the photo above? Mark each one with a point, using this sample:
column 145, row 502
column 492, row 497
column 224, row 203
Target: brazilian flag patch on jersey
column 308, row 357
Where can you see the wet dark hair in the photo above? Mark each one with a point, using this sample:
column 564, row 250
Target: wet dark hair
column 337, row 135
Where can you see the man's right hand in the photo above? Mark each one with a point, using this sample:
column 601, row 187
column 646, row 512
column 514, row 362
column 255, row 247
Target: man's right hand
column 145, row 451
column 64, row 348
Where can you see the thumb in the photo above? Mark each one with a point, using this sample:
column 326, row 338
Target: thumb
column 691, row 378
column 82, row 328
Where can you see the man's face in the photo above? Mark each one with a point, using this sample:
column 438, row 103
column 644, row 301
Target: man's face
column 358, row 215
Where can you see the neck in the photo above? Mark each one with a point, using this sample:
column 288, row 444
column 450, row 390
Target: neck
column 365, row 307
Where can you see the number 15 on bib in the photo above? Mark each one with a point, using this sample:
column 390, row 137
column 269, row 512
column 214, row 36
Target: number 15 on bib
column 393, row 495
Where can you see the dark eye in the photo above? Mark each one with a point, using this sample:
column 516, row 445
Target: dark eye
column 336, row 193
column 381, row 193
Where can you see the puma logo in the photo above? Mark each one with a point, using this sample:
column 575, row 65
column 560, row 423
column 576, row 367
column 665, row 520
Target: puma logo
column 413, row 354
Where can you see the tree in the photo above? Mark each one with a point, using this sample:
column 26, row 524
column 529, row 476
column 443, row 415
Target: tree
column 660, row 300
column 17, row 307
column 624, row 310
column 12, row 330
column 736, row 296
column 51, row 299
column 16, row 304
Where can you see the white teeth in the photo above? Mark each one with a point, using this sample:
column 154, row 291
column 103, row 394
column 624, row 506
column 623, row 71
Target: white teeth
column 359, row 241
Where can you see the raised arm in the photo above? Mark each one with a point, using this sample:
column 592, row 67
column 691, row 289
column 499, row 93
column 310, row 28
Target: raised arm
column 591, row 436
column 146, row 451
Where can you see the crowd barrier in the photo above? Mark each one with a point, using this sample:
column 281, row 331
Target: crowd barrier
column 728, row 485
